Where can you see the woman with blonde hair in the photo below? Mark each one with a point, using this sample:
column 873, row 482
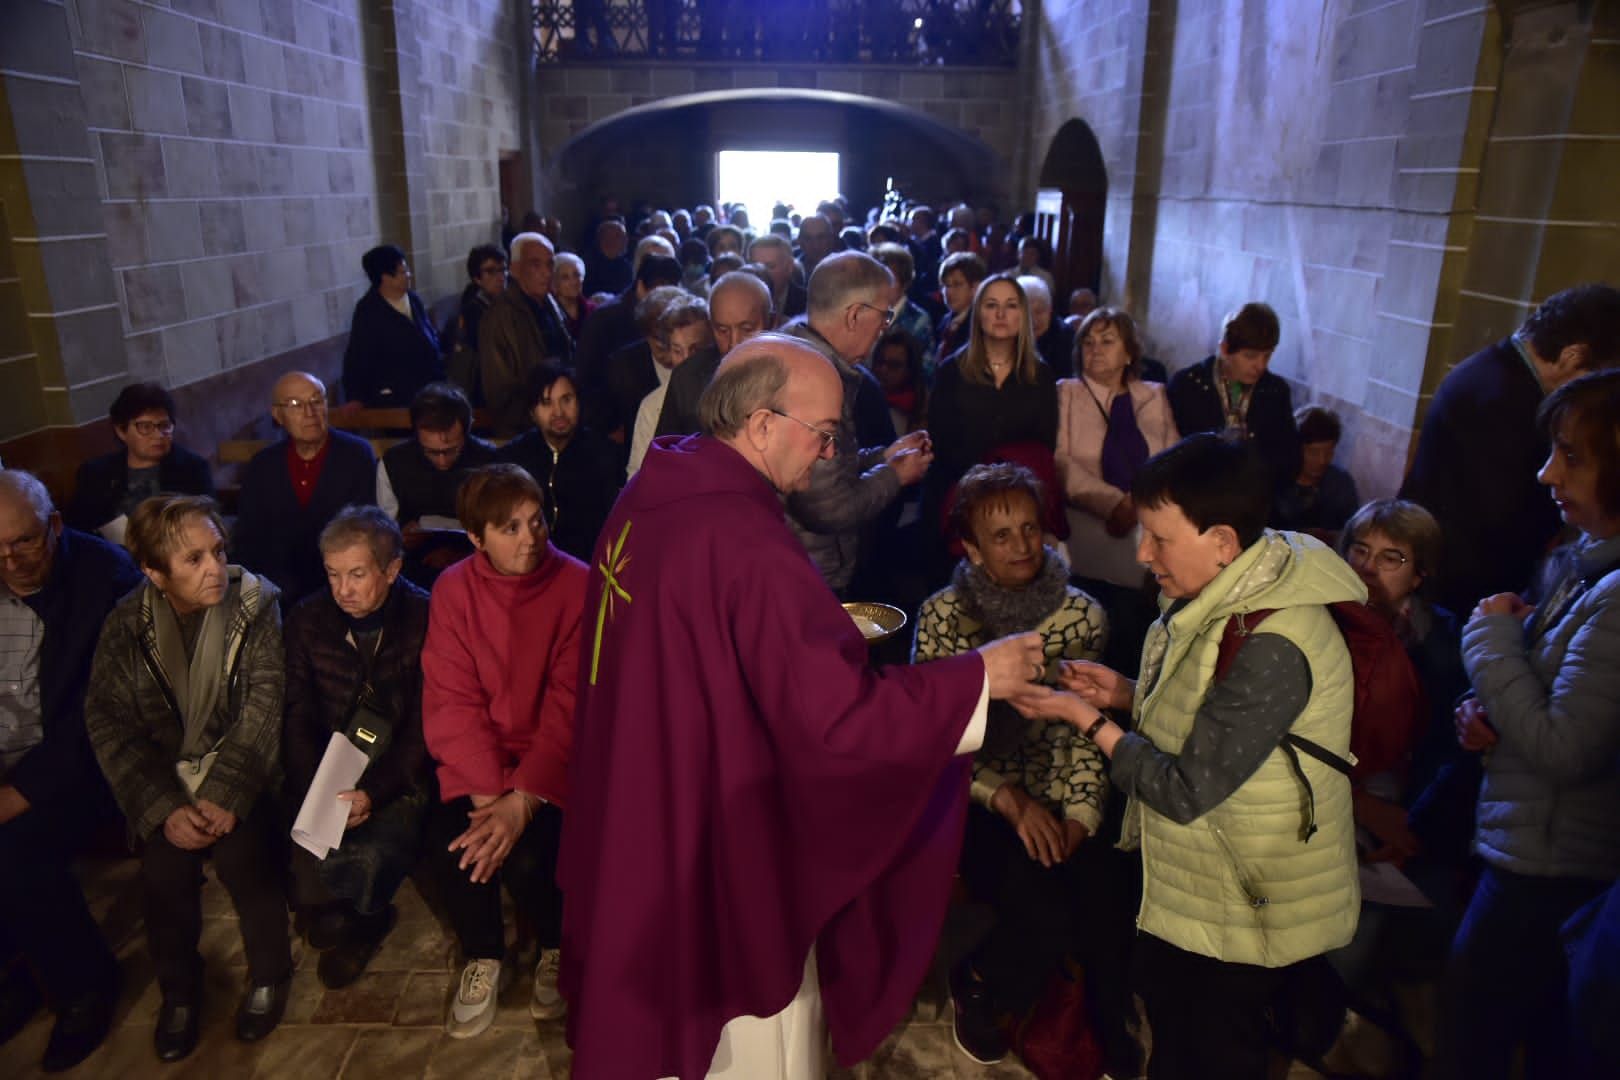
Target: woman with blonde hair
column 992, row 393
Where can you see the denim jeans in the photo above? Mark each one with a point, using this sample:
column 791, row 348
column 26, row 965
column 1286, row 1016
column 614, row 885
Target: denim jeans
column 1506, row 980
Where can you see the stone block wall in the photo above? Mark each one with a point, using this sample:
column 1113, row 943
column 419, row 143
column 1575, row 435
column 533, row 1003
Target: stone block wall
column 188, row 186
column 1301, row 154
column 1546, row 215
column 233, row 151
column 984, row 103
column 1088, row 60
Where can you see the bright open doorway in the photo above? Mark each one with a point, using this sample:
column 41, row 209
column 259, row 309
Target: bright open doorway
column 761, row 178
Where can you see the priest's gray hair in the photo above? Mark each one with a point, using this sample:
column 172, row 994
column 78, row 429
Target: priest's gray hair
column 739, row 390
column 26, row 487
column 848, row 277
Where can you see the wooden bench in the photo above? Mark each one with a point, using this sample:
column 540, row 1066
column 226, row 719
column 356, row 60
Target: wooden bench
column 398, row 420
column 241, row 451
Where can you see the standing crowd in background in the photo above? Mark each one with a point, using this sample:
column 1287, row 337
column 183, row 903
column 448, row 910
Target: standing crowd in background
column 1289, row 753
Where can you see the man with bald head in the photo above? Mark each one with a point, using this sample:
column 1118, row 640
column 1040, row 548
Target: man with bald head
column 739, row 309
column 801, row 811
column 849, row 309
column 56, row 587
column 292, row 488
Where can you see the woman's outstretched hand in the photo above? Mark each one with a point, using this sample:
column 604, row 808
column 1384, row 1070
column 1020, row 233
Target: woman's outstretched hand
column 1098, row 686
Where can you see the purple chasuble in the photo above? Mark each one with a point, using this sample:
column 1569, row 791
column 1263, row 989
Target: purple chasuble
column 744, row 785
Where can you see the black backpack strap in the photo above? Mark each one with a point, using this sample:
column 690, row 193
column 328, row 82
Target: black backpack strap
column 1293, row 745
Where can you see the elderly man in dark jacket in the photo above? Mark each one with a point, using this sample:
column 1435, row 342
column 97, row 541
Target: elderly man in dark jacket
column 393, row 350
column 353, row 667
column 523, row 329
column 869, row 466
column 291, row 489
column 56, row 587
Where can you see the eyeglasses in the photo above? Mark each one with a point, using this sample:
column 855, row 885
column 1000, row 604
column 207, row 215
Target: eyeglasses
column 887, row 313
column 153, row 427
column 23, row 546
column 829, row 439
column 451, row 452
column 1385, row 558
column 310, row 404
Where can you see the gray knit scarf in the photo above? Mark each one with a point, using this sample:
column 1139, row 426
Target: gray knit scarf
column 1002, row 611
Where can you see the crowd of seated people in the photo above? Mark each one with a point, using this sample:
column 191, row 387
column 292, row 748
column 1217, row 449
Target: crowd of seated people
column 1194, row 834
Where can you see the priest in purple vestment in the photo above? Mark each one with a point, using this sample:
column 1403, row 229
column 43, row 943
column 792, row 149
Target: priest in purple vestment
column 763, row 828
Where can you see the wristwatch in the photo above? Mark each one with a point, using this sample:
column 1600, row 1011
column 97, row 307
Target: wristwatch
column 1096, row 726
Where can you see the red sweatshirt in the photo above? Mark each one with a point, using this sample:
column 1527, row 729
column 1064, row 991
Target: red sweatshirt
column 499, row 672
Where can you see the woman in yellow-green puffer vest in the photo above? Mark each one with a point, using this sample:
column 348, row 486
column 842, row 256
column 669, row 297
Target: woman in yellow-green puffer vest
column 1242, row 817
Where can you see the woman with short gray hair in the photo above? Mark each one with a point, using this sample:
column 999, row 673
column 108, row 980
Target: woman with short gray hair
column 183, row 711
column 354, row 668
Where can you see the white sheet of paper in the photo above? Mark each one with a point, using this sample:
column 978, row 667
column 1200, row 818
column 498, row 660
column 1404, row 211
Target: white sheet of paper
column 1383, row 883
column 318, row 829
column 113, row 531
column 439, row 521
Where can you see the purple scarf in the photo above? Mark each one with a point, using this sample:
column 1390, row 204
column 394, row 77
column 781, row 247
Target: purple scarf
column 1123, row 448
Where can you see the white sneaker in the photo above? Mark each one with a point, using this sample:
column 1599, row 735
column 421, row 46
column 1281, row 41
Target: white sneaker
column 547, row 1003
column 474, row 1008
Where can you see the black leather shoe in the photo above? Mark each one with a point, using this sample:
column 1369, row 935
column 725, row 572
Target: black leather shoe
column 342, row 965
column 19, row 1001
column 261, row 1010
column 80, row 1029
column 176, row 1034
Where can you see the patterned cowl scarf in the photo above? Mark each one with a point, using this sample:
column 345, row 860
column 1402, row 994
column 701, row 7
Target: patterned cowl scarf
column 1002, row 611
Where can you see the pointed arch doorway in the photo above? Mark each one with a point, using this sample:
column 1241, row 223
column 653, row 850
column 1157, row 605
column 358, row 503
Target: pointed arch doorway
column 1069, row 209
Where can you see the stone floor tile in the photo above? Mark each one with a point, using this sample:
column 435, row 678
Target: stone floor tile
column 20, row 1057
column 140, row 1010
column 221, row 943
column 371, row 999
column 389, row 1054
column 305, row 995
column 415, row 945
column 544, row 1054
column 424, row 1000
column 915, row 1052
column 219, row 1054
column 216, row 901
column 304, row 1052
column 492, row 1054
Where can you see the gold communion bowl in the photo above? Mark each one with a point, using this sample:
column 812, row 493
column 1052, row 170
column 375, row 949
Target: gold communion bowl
column 876, row 622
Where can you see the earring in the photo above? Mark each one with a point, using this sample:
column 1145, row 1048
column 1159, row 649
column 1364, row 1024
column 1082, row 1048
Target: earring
column 1223, row 565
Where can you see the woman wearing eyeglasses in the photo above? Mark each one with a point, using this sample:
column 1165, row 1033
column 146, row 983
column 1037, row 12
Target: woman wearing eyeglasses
column 109, row 487
column 994, row 392
column 1422, row 820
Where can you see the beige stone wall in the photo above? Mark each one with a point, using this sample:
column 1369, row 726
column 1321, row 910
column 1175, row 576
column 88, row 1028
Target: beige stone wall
column 1088, row 60
column 188, row 185
column 1546, row 156
column 1302, row 154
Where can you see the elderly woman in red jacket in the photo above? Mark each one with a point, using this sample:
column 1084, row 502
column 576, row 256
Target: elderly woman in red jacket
column 499, row 671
